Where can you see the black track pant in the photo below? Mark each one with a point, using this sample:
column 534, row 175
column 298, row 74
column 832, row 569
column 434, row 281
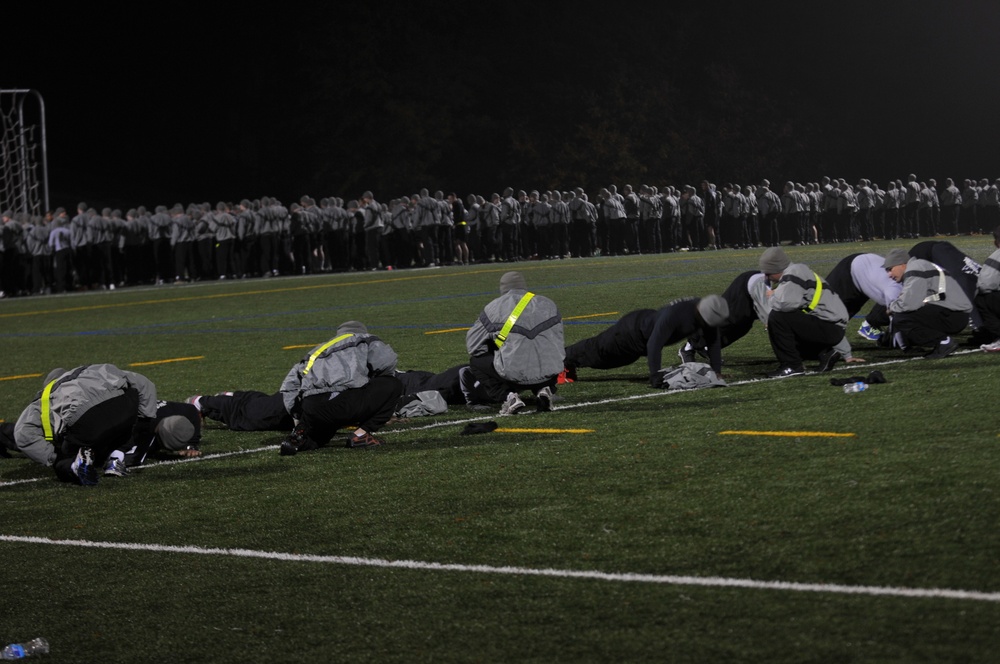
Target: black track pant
column 105, row 427
column 988, row 306
column 878, row 316
column 796, row 335
column 369, row 407
column 618, row 346
column 248, row 411
column 496, row 386
column 929, row 324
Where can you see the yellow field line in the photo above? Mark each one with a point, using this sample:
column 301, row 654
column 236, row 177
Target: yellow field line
column 505, row 430
column 21, row 376
column 607, row 313
column 289, row 289
column 454, row 329
column 176, row 359
column 795, row 434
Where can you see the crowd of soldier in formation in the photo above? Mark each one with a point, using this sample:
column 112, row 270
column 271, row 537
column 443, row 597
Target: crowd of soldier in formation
column 263, row 238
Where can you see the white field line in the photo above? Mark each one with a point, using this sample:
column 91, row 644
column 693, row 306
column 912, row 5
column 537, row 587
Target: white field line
column 660, row 579
column 168, row 462
column 859, row 368
column 13, row 482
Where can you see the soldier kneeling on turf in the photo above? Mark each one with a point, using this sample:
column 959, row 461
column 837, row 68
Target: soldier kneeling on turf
column 515, row 344
column 80, row 416
column 807, row 318
column 932, row 307
column 347, row 380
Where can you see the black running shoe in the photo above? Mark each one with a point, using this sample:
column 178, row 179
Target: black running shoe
column 297, row 441
column 827, row 359
column 942, row 350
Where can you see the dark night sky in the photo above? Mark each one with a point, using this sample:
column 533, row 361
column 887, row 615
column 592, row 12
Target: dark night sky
column 151, row 108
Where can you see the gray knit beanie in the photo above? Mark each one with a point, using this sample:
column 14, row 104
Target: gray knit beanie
column 351, row 327
column 774, row 260
column 512, row 281
column 714, row 310
column 175, row 432
column 896, row 257
column 52, row 375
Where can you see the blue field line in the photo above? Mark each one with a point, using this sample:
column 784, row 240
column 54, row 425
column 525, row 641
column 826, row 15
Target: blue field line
column 257, row 316
column 173, row 327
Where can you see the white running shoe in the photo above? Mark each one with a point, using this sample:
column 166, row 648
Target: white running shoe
column 513, row 405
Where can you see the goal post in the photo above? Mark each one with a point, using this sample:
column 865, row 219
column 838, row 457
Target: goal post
column 24, row 177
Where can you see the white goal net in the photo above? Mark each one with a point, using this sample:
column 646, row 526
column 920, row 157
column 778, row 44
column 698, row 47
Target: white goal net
column 24, row 183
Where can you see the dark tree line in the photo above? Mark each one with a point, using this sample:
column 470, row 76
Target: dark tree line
column 467, row 97
column 422, row 99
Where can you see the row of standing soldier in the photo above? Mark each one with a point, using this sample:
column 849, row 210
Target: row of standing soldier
column 263, row 238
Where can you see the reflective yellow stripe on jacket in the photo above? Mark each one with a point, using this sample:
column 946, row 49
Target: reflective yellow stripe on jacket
column 514, row 315
column 47, row 411
column 319, row 351
column 816, row 295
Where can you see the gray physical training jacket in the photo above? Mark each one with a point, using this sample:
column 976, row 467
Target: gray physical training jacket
column 927, row 283
column 989, row 276
column 534, row 350
column 796, row 290
column 343, row 363
column 73, row 394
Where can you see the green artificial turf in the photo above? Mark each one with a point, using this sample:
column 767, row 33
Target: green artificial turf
column 910, row 500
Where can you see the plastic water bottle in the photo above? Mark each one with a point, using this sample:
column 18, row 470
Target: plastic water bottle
column 850, row 388
column 34, row 647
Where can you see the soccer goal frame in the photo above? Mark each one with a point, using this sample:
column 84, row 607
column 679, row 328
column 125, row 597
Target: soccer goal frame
column 24, row 171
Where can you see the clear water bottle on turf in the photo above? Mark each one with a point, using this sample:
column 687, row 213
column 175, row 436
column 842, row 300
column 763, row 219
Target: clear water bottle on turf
column 850, row 388
column 34, row 647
